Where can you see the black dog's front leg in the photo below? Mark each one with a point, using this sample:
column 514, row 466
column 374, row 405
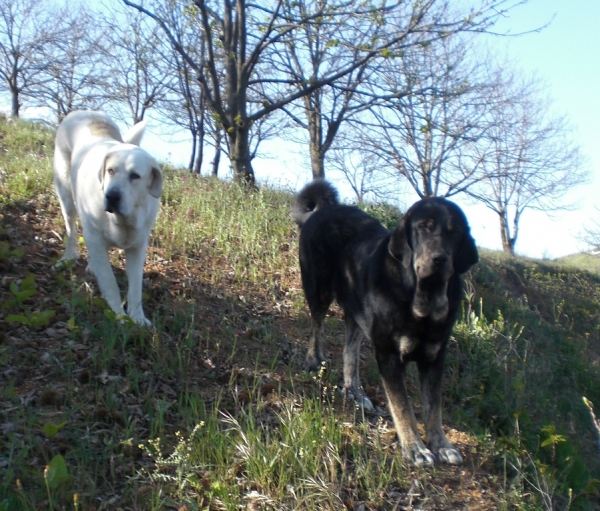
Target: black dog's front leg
column 393, row 373
column 430, row 376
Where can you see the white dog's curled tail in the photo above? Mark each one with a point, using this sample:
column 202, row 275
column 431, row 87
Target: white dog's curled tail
column 134, row 134
column 318, row 194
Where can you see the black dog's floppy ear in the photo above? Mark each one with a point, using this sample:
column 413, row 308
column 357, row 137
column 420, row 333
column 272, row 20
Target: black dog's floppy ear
column 399, row 245
column 466, row 253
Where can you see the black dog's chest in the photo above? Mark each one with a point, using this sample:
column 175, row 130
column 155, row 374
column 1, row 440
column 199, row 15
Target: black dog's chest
column 411, row 347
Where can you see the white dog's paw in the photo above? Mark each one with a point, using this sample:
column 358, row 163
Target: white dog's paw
column 141, row 320
column 65, row 262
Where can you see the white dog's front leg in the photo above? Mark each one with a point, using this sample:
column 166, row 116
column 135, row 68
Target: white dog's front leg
column 67, row 206
column 134, row 265
column 99, row 265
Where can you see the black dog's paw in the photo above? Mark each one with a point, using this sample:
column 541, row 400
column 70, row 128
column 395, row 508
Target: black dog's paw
column 359, row 396
column 418, row 455
column 443, row 450
column 449, row 455
column 314, row 364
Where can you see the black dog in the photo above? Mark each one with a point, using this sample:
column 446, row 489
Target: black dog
column 401, row 290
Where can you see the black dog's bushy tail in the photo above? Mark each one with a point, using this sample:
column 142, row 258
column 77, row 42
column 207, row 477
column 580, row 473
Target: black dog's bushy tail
column 317, row 194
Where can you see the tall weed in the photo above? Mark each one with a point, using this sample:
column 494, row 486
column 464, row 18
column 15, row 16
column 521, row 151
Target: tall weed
column 497, row 383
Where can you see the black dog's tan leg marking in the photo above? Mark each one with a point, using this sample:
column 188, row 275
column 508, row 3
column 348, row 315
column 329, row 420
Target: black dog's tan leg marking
column 393, row 374
column 352, row 386
column 430, row 376
column 318, row 291
column 314, row 354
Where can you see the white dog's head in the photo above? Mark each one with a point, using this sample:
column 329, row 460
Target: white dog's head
column 129, row 174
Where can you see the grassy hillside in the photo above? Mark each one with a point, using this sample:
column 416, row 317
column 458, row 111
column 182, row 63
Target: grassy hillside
column 591, row 262
column 210, row 409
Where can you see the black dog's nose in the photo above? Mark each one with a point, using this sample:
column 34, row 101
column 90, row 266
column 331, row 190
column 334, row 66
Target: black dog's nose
column 439, row 259
column 111, row 200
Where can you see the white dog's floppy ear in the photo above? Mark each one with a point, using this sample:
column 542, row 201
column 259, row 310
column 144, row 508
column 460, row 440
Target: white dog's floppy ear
column 157, row 182
column 134, row 134
column 102, row 171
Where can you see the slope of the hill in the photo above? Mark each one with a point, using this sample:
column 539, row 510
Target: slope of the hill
column 210, row 409
column 589, row 260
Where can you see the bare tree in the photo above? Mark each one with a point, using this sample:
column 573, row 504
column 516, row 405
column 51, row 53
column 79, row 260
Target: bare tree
column 186, row 108
column 362, row 171
column 239, row 37
column 138, row 61
column 320, row 46
column 71, row 79
column 529, row 160
column 591, row 235
column 425, row 135
column 194, row 109
column 333, row 41
column 184, row 105
column 27, row 29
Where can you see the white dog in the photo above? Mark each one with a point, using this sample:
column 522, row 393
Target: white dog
column 114, row 186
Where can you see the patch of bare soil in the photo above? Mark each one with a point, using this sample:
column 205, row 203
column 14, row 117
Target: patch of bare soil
column 111, row 398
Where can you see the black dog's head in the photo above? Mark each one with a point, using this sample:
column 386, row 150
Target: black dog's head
column 433, row 240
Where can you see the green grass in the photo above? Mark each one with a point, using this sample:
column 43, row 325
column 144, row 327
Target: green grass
column 290, row 452
column 25, row 152
column 248, row 234
column 531, row 346
column 210, row 409
column 583, row 261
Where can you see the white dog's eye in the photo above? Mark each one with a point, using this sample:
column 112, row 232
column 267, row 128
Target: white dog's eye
column 110, row 172
column 134, row 175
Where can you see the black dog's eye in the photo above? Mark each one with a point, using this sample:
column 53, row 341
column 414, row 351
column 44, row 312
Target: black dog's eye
column 426, row 225
column 134, row 175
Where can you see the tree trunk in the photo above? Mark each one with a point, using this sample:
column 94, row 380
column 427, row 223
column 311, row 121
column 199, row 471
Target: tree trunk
column 426, row 179
column 15, row 105
column 240, row 155
column 317, row 163
column 200, row 136
column 200, row 154
column 193, row 155
column 315, row 132
column 508, row 242
column 217, row 159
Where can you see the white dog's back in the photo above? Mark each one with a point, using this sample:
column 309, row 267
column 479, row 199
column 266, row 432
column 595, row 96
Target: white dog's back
column 87, row 127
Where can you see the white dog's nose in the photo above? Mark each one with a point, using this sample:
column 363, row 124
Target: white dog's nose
column 112, row 199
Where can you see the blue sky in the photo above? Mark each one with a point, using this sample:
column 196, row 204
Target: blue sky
column 567, row 55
